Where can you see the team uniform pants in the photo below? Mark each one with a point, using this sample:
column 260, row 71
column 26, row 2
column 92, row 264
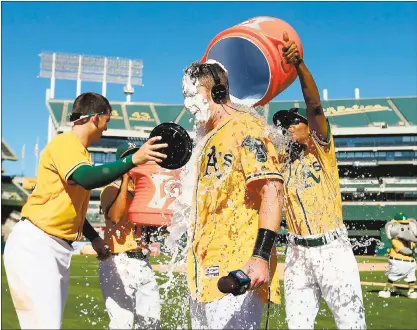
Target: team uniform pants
column 230, row 312
column 37, row 269
column 130, row 292
column 329, row 271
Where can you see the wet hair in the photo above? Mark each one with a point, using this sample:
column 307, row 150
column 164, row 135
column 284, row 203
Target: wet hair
column 88, row 104
column 201, row 72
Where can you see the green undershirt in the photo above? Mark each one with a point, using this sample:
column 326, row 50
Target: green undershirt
column 91, row 177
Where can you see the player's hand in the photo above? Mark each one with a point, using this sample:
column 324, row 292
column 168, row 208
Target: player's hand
column 257, row 269
column 127, row 178
column 148, row 152
column 290, row 51
column 102, row 249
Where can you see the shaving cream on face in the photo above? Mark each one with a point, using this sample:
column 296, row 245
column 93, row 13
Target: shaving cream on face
column 194, row 102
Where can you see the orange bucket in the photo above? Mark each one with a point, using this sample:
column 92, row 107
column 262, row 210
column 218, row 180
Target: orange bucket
column 156, row 189
column 252, row 54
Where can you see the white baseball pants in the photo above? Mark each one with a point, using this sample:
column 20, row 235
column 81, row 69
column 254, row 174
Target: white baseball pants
column 130, row 293
column 329, row 271
column 230, row 312
column 37, row 269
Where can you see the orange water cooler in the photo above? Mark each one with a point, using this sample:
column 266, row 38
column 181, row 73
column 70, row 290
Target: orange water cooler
column 156, row 189
column 252, row 54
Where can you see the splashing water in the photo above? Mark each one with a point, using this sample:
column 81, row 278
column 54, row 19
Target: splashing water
column 248, row 102
column 356, row 243
column 176, row 243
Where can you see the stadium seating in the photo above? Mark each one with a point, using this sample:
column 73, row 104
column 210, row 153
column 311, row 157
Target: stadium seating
column 408, row 107
column 400, row 182
column 375, row 211
column 342, row 113
column 117, row 119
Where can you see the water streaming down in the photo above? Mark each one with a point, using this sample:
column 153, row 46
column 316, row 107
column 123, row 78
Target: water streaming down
column 179, row 231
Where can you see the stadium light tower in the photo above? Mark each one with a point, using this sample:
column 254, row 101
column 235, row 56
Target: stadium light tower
column 102, row 69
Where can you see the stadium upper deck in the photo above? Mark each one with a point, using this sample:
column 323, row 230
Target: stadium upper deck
column 343, row 113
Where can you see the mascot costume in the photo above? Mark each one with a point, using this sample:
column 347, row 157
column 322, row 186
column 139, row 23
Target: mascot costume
column 401, row 263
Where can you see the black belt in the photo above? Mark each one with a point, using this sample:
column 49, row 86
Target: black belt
column 65, row 240
column 133, row 254
column 314, row 242
column 392, row 258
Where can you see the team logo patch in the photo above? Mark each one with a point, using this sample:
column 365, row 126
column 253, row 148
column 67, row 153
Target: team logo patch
column 256, row 146
column 213, row 271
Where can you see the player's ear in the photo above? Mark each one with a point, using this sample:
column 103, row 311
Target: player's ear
column 94, row 119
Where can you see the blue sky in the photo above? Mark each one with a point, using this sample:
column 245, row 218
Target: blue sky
column 346, row 45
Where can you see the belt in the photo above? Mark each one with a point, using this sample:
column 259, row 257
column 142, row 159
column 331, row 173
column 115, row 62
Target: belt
column 133, row 254
column 392, row 258
column 65, row 240
column 317, row 241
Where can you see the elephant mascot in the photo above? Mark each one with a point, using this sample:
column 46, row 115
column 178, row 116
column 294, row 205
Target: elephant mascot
column 402, row 232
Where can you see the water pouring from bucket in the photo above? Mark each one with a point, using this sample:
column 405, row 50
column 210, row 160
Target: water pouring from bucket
column 252, row 54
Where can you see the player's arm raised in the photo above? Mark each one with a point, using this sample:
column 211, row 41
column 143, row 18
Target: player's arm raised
column 90, row 177
column 315, row 114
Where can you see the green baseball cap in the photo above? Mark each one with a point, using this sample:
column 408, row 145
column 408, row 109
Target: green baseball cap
column 400, row 216
column 286, row 118
column 126, row 149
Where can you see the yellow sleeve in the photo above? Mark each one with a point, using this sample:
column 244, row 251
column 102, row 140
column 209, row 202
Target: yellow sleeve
column 325, row 149
column 258, row 157
column 67, row 156
column 397, row 245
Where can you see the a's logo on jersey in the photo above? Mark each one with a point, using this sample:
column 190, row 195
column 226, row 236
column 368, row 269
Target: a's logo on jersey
column 212, row 161
column 213, row 164
column 256, row 146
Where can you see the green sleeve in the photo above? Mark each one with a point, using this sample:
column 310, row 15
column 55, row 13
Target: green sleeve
column 90, row 177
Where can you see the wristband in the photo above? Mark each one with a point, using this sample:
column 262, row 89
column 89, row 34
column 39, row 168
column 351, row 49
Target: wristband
column 264, row 243
column 89, row 232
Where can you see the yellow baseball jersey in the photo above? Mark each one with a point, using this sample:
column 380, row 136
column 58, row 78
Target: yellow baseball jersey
column 121, row 236
column 397, row 245
column 313, row 203
column 57, row 205
column 236, row 157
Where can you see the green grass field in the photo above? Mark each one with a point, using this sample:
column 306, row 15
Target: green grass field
column 85, row 307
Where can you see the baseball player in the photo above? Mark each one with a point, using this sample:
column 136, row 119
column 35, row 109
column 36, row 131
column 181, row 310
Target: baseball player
column 128, row 284
column 38, row 251
column 236, row 209
column 319, row 260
